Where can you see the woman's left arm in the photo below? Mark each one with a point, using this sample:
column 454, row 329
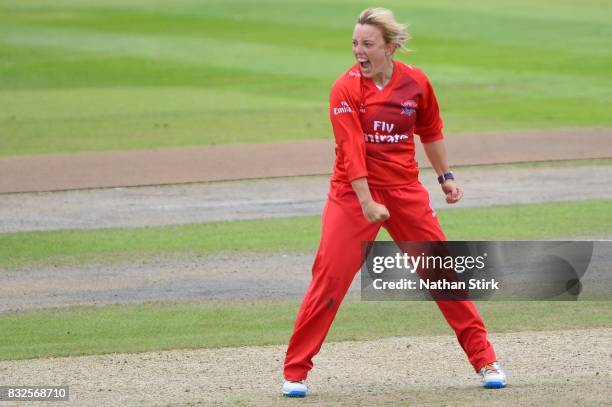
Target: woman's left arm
column 436, row 153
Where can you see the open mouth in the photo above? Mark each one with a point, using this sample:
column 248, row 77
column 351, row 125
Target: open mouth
column 364, row 63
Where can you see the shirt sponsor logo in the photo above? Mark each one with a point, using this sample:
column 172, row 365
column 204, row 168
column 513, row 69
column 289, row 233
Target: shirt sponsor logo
column 384, row 126
column 409, row 107
column 344, row 108
column 355, row 73
column 385, row 138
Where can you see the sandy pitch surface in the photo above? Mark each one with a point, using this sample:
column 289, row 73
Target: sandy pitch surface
column 279, row 197
column 56, row 172
column 569, row 367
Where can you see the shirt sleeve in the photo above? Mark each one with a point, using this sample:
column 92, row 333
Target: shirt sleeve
column 428, row 122
column 344, row 115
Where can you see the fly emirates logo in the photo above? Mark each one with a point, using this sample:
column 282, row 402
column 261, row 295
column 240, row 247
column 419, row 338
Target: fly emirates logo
column 344, row 108
column 384, row 134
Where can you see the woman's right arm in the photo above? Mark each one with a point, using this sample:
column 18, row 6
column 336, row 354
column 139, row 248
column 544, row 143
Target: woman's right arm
column 344, row 116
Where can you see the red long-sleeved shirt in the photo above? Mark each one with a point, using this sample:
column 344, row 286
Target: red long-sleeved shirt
column 374, row 128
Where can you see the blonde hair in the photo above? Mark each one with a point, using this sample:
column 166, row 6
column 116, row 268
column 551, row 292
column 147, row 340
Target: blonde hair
column 392, row 31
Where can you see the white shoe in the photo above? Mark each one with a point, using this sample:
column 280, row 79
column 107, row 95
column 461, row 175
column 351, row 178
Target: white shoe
column 493, row 377
column 294, row 389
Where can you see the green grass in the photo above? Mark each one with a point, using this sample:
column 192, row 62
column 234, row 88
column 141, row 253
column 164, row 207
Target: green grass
column 145, row 327
column 105, row 75
column 514, row 222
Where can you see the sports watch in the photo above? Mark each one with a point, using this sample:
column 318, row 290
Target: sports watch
column 445, row 177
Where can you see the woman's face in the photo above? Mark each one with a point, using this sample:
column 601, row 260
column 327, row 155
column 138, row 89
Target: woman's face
column 370, row 49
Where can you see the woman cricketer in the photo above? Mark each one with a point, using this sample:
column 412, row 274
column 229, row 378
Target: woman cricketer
column 376, row 108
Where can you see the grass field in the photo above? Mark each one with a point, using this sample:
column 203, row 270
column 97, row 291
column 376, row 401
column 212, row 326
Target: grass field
column 154, row 326
column 513, row 222
column 142, row 327
column 104, row 75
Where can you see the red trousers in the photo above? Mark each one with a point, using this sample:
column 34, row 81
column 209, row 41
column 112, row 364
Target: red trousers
column 339, row 259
